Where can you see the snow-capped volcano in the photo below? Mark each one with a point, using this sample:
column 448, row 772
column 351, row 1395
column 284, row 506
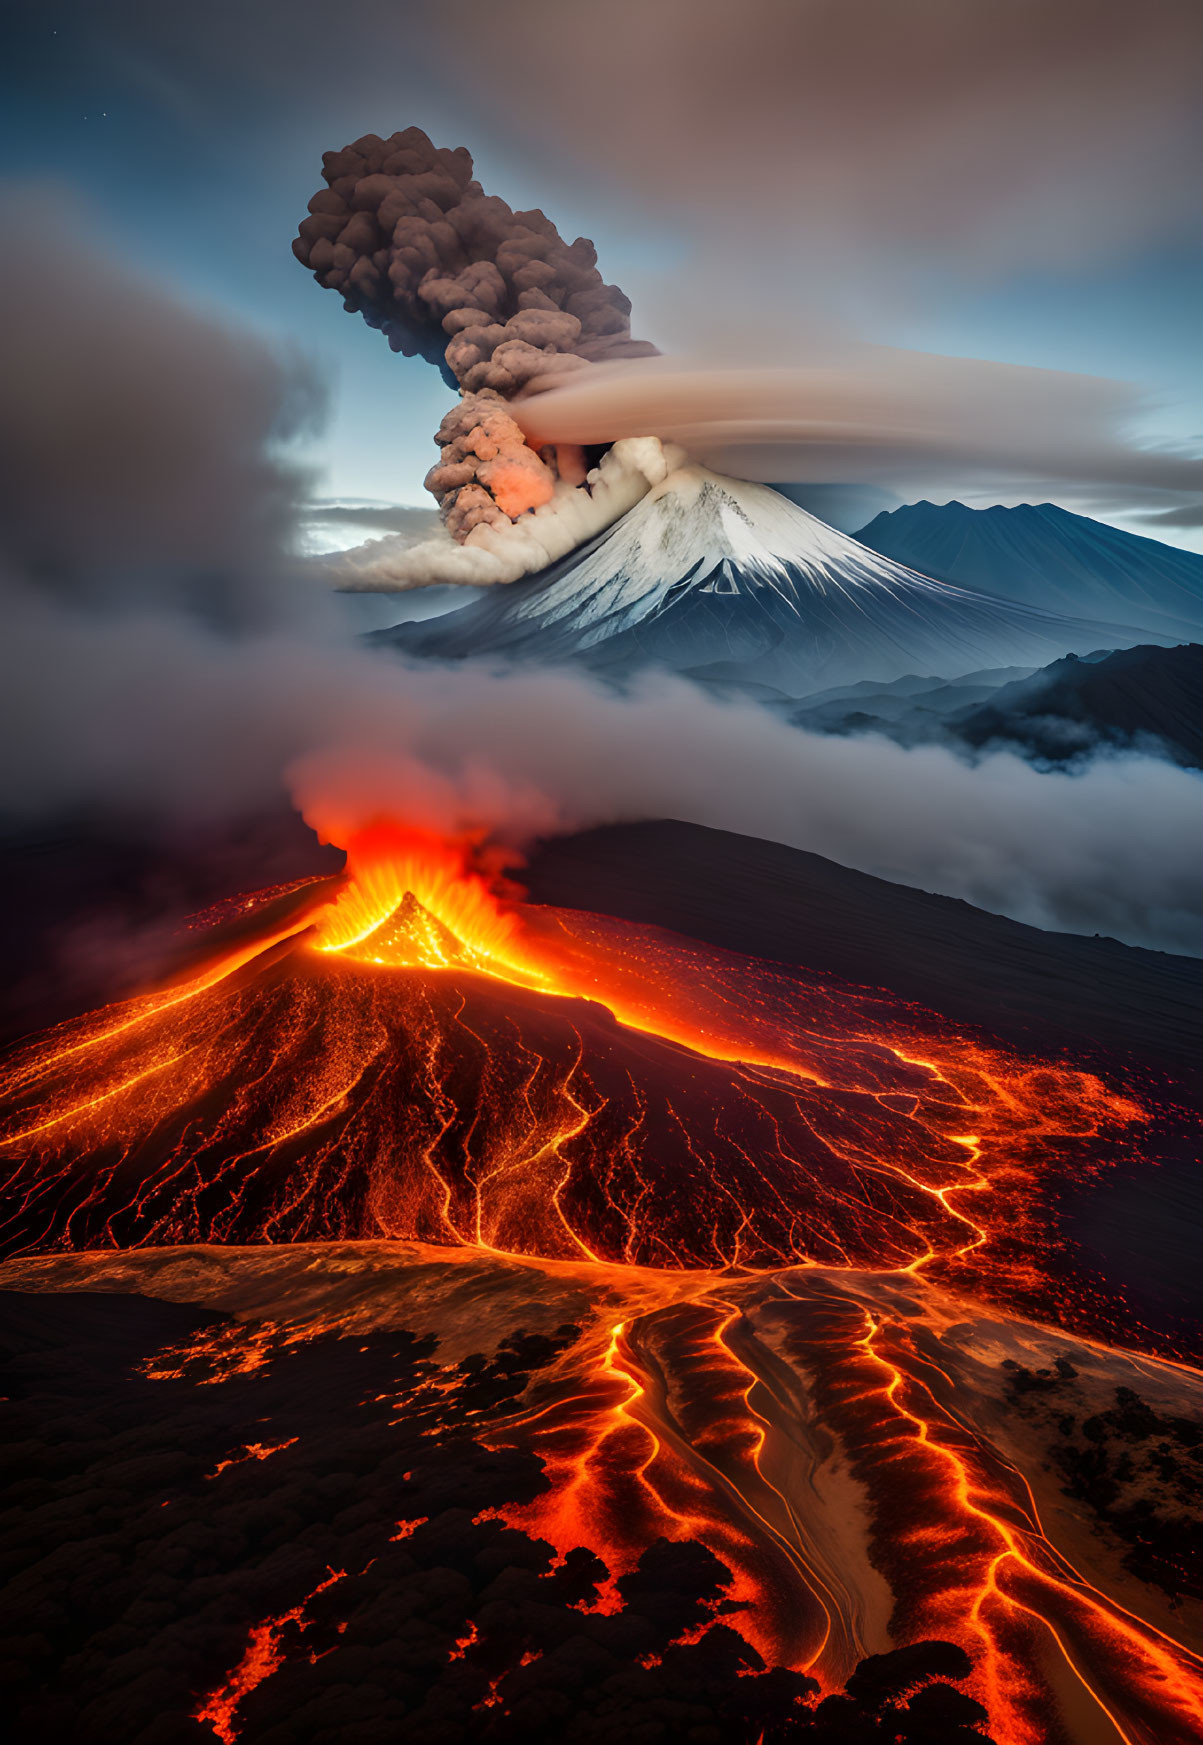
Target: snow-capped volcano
column 730, row 581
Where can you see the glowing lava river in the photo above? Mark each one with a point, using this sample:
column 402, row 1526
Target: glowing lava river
column 820, row 1320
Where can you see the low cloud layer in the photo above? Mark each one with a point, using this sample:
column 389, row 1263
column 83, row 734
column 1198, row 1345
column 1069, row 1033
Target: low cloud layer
column 1113, row 848
column 152, row 718
column 404, row 518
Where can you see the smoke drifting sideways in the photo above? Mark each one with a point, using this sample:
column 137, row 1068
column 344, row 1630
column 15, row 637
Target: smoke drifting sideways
column 917, row 422
column 166, row 667
column 499, row 302
column 1111, row 846
column 143, row 444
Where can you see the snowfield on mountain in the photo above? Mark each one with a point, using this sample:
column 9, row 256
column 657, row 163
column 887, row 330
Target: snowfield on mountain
column 731, row 582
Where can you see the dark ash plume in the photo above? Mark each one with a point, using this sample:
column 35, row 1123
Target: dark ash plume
column 495, row 298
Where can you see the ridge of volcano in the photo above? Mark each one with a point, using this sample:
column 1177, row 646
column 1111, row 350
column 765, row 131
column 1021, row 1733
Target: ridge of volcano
column 731, row 582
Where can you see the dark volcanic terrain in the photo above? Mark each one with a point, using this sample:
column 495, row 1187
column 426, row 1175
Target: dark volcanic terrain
column 1142, row 699
column 360, row 1493
column 1032, row 988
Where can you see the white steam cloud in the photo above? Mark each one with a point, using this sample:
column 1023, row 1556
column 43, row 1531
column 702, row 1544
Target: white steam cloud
column 502, row 553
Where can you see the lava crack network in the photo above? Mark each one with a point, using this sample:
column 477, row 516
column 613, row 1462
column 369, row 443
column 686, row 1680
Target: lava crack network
column 781, row 1193
column 416, row 1058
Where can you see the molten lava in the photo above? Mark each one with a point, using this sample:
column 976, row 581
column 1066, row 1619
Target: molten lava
column 265, row 1653
column 429, row 1060
column 414, row 900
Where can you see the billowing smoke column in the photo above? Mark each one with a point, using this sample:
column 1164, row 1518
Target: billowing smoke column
column 496, row 298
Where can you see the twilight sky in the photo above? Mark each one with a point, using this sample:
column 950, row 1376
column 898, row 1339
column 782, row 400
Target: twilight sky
column 1016, row 183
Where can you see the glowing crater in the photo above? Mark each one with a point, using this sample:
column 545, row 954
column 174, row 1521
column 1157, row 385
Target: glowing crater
column 415, row 901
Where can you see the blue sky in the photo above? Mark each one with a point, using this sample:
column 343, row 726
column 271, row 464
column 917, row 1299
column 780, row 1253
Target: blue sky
column 193, row 145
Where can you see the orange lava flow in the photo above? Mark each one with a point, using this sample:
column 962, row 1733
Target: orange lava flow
column 264, row 1655
column 428, row 1060
column 252, row 1451
column 688, row 1425
column 433, row 1061
column 991, row 1114
column 959, row 1532
column 631, row 1457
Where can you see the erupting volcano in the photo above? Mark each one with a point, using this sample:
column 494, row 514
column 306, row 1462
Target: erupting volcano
column 418, row 1057
column 438, row 1314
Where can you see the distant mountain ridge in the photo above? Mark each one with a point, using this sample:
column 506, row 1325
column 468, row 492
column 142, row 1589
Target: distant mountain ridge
column 731, row 583
column 1041, row 555
column 1130, row 698
column 1147, row 699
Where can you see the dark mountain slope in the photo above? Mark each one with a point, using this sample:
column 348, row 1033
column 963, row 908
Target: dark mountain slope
column 1128, row 698
column 1032, row 988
